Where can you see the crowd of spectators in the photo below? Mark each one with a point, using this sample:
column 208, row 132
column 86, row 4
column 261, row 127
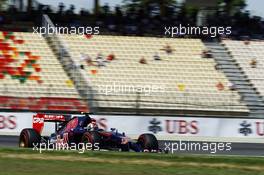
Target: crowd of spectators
column 134, row 21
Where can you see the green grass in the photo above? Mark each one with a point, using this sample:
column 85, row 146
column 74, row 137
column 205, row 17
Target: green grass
column 28, row 162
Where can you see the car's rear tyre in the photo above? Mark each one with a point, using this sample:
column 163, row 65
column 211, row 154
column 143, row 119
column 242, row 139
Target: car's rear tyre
column 148, row 142
column 125, row 147
column 29, row 138
column 93, row 138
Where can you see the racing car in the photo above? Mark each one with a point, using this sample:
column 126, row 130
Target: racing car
column 83, row 129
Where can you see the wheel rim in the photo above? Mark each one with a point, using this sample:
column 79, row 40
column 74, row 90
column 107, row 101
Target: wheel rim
column 87, row 139
column 22, row 142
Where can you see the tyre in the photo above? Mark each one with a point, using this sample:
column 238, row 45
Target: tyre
column 148, row 142
column 28, row 138
column 93, row 138
column 125, row 148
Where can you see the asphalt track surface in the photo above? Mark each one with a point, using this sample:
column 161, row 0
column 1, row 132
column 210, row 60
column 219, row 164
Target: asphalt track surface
column 243, row 149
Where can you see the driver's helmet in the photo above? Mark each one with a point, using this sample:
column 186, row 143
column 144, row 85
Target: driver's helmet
column 92, row 126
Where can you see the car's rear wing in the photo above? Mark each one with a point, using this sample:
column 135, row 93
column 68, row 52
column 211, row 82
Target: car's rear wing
column 39, row 119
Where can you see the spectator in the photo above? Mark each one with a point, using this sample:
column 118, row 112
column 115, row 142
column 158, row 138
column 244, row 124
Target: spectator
column 110, row 57
column 100, row 60
column 217, row 67
column 168, row 49
column 156, row 56
column 207, row 54
column 220, row 86
column 253, row 63
column 143, row 61
column 61, row 8
column 231, row 86
column 100, row 63
column 99, row 56
column 74, row 66
column 247, row 42
column 89, row 62
column 87, row 59
column 204, row 53
column 82, row 67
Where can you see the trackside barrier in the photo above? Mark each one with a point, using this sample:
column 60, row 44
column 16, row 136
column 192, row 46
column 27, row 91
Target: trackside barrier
column 165, row 128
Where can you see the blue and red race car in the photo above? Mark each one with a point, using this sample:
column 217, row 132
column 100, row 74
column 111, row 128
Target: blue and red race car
column 83, row 129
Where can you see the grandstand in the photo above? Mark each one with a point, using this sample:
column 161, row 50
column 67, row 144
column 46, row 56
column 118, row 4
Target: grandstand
column 32, row 77
column 36, row 76
column 190, row 81
column 234, row 71
column 77, row 72
column 244, row 54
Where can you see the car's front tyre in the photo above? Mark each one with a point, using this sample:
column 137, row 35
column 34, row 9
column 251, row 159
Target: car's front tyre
column 93, row 138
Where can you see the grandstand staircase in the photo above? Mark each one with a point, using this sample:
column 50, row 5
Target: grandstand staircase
column 229, row 66
column 69, row 65
column 74, row 73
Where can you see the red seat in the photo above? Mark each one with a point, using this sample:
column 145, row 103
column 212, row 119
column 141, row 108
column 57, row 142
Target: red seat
column 46, row 103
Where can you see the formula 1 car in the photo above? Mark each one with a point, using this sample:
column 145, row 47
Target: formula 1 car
column 83, row 129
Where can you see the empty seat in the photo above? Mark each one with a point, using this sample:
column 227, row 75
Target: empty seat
column 185, row 80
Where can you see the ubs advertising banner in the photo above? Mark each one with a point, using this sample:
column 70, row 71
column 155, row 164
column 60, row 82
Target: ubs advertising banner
column 185, row 126
column 162, row 126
